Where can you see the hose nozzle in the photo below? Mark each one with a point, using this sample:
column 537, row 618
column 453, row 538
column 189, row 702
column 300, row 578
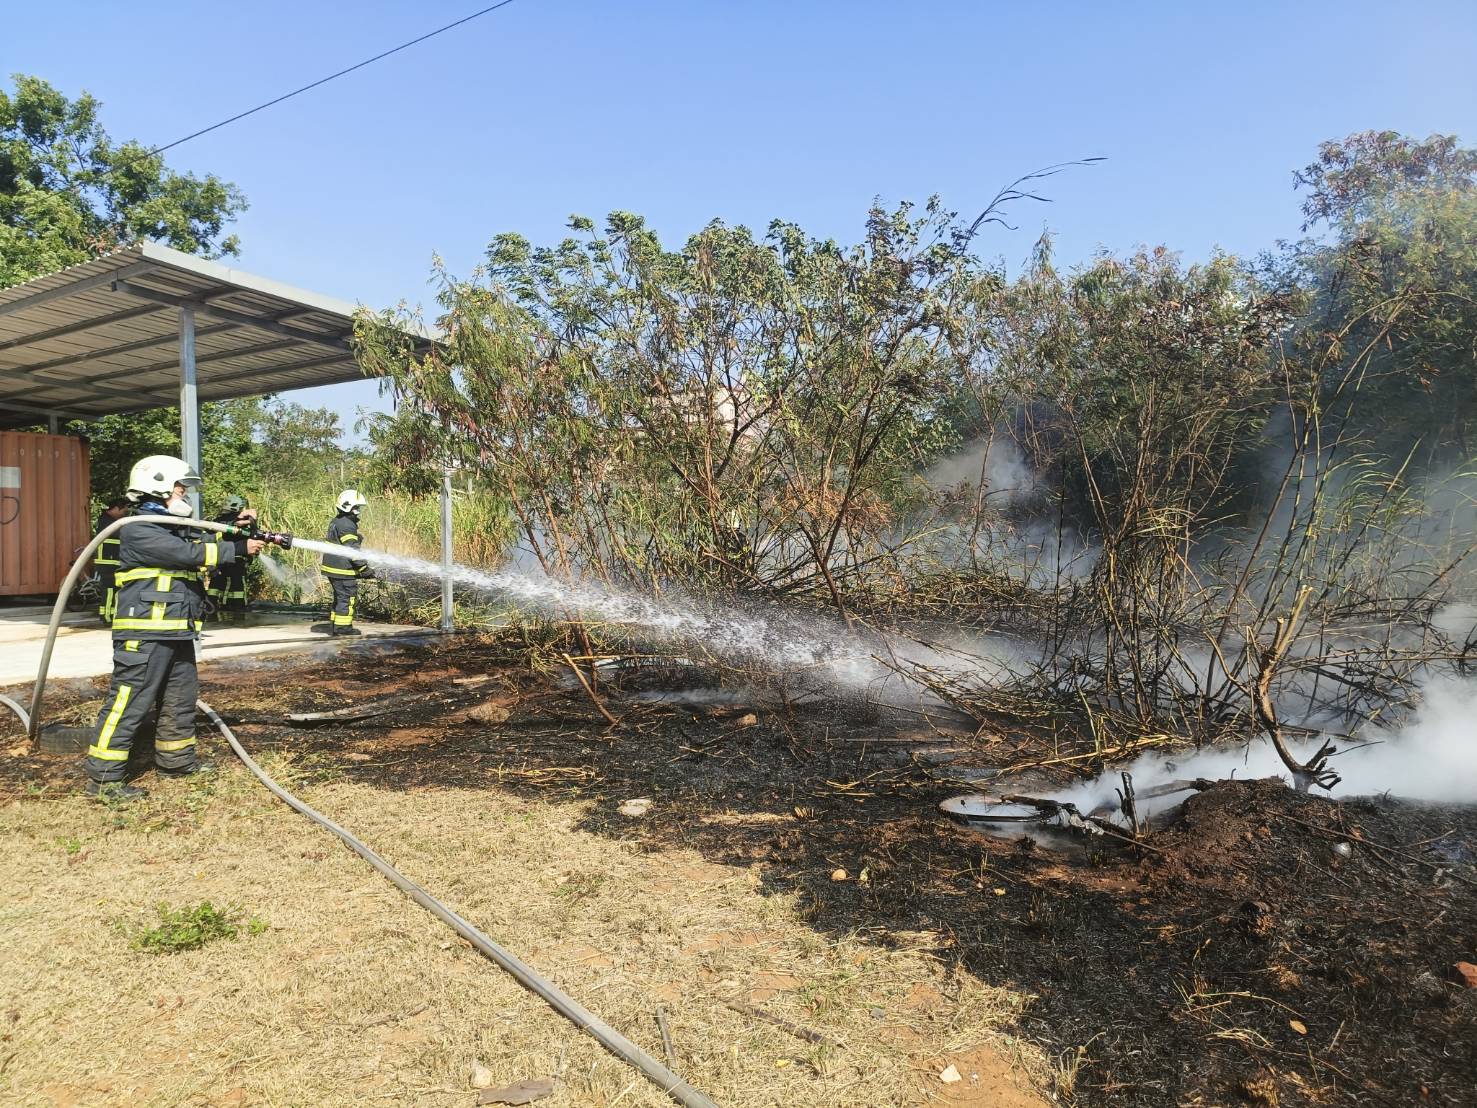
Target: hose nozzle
column 276, row 538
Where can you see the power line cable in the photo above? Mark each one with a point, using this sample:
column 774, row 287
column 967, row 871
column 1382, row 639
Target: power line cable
column 325, row 80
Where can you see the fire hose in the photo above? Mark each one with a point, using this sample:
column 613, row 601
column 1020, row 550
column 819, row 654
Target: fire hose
column 608, row 1037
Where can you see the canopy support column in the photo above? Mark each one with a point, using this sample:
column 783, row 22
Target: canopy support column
column 189, row 404
column 447, row 620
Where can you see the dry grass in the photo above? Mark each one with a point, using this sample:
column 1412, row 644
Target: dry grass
column 355, row 995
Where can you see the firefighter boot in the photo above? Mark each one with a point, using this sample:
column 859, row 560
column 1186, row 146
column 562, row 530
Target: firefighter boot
column 114, row 792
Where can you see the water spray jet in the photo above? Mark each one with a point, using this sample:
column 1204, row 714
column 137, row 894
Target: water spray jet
column 834, row 655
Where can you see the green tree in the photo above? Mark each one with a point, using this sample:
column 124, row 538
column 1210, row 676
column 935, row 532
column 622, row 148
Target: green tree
column 229, row 446
column 295, row 444
column 1355, row 177
column 69, row 193
column 1392, row 285
column 741, row 410
column 1146, row 383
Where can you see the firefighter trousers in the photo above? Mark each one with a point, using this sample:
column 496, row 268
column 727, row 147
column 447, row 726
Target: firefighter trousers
column 228, row 588
column 155, row 683
column 345, row 589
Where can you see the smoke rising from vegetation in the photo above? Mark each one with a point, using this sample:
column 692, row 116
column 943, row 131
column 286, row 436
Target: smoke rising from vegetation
column 992, row 467
column 1431, row 757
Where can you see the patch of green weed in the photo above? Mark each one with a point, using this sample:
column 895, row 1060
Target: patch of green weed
column 192, row 927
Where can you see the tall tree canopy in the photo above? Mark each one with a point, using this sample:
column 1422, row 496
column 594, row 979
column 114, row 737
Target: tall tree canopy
column 69, row 193
column 1394, row 277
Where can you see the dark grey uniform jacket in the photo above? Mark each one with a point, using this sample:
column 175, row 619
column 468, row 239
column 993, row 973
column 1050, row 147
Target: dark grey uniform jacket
column 160, row 595
column 234, row 519
column 343, row 531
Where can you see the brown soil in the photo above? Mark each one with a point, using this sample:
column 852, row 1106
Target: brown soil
column 1241, row 960
column 986, row 1080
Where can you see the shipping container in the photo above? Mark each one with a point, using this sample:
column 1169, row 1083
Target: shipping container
column 44, row 509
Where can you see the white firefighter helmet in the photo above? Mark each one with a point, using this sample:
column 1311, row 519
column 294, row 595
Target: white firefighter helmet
column 350, row 501
column 156, row 476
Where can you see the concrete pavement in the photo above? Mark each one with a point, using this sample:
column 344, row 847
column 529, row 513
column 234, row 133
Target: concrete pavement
column 84, row 645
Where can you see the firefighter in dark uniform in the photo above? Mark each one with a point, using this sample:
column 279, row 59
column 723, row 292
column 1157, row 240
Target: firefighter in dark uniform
column 158, row 615
column 228, row 583
column 345, row 571
column 105, row 561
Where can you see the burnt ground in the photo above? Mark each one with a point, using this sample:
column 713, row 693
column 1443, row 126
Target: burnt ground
column 1238, row 959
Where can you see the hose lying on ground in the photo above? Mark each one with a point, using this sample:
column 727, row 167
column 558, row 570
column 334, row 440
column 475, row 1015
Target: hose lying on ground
column 566, row 1006
column 608, row 1037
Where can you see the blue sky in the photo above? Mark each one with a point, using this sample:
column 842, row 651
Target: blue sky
column 745, row 111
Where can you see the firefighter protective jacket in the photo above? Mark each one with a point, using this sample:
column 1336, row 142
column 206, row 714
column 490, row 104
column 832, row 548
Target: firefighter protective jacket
column 107, row 553
column 343, row 531
column 160, row 595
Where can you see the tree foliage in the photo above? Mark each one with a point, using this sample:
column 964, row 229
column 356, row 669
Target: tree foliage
column 1146, row 381
column 1394, row 281
column 1353, row 178
column 742, row 410
column 68, row 192
column 761, row 412
column 247, row 446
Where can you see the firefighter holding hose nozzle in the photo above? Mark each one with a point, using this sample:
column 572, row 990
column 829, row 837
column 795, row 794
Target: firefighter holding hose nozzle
column 345, row 571
column 228, row 582
column 157, row 618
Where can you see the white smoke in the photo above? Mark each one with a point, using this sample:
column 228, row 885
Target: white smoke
column 994, row 476
column 1432, row 756
column 1458, row 622
column 1039, row 553
column 994, row 465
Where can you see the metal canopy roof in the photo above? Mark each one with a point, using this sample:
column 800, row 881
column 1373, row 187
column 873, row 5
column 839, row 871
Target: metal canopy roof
column 104, row 336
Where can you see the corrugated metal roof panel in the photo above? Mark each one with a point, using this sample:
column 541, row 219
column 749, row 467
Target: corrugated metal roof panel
column 88, row 341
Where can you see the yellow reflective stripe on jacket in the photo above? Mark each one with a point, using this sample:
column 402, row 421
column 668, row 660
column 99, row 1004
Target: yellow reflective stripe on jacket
column 340, row 572
column 212, row 553
column 99, row 749
column 156, row 622
column 165, row 575
column 348, row 538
